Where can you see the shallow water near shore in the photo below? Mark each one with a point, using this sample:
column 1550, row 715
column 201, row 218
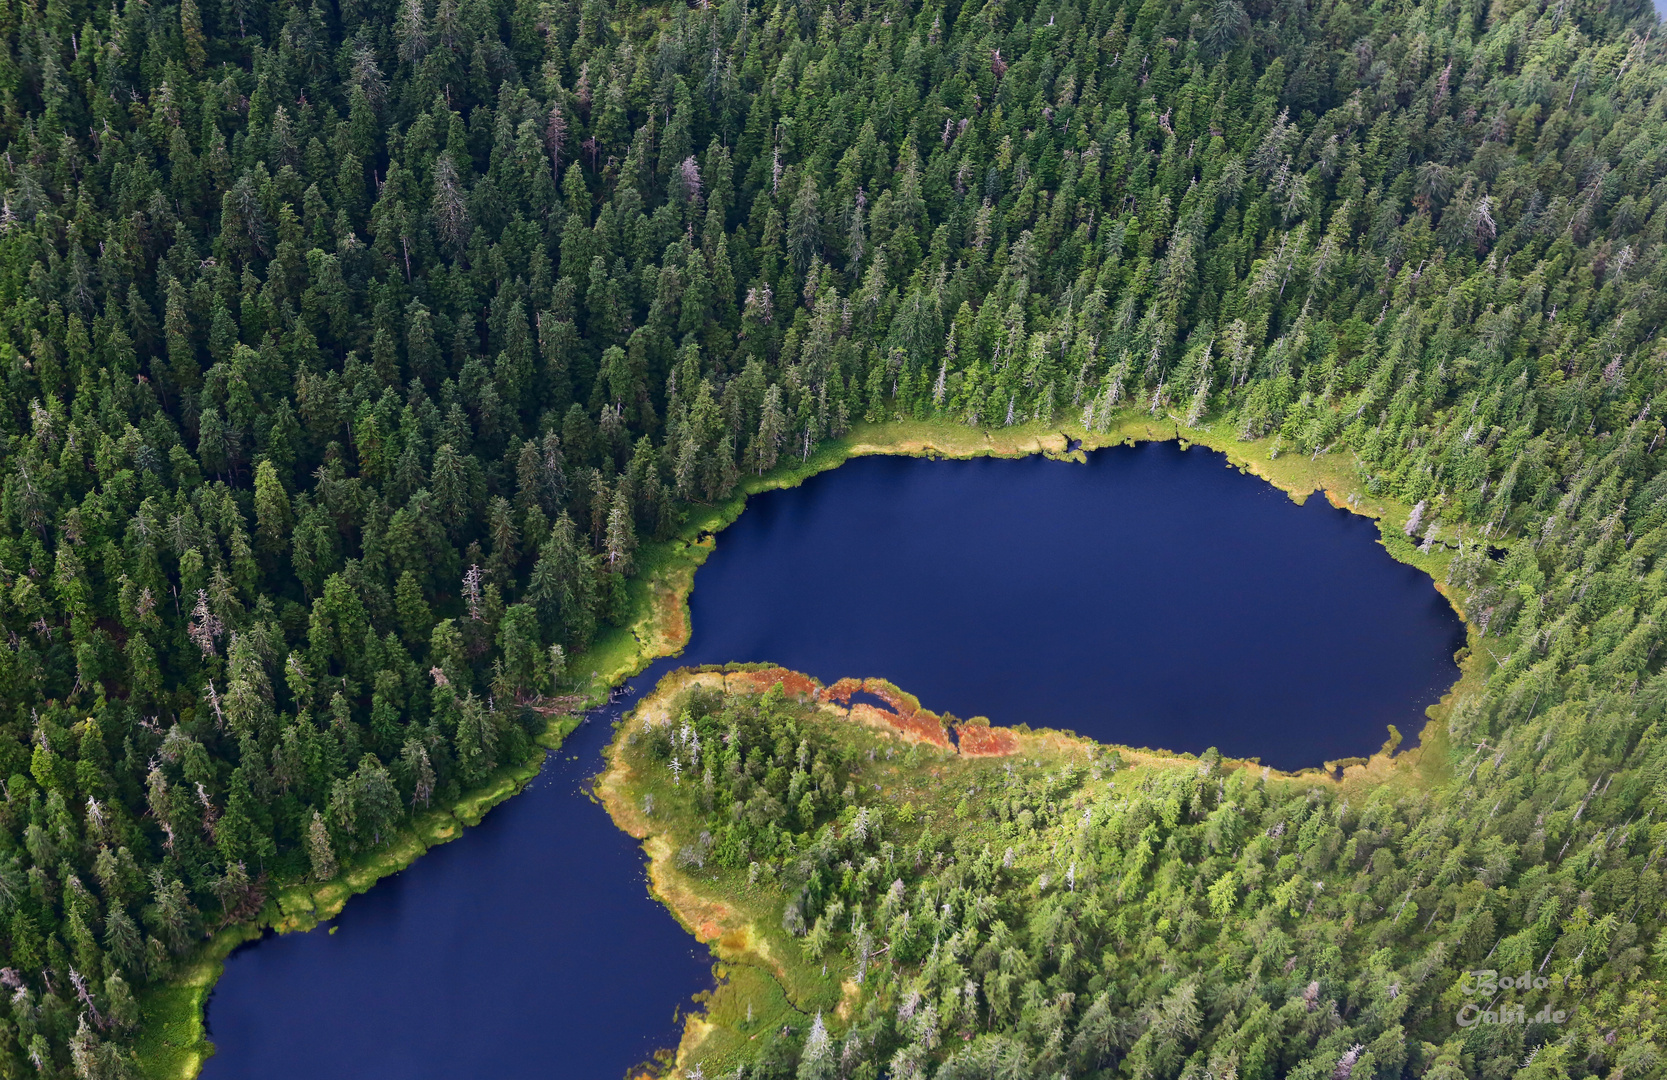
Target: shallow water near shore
column 1150, row 597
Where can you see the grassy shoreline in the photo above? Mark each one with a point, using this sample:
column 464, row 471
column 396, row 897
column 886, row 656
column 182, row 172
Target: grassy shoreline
column 765, row 981
column 748, row 963
column 173, row 1042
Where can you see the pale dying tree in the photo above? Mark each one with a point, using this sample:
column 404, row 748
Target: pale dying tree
column 451, row 213
column 319, row 851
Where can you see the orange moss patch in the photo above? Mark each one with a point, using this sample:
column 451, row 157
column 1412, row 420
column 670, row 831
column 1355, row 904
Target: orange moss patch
column 981, row 740
column 864, row 713
column 793, row 683
column 840, row 692
column 904, row 704
column 928, row 727
column 917, row 727
column 800, row 686
column 905, row 716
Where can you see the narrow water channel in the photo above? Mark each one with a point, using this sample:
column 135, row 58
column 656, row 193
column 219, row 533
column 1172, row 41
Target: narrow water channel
column 1150, row 597
column 528, row 948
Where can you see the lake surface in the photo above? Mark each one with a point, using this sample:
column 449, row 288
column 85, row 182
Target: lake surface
column 528, row 948
column 1150, row 597
column 1153, row 597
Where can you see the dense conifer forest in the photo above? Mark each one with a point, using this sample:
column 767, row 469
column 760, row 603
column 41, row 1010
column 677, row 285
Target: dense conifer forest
column 350, row 351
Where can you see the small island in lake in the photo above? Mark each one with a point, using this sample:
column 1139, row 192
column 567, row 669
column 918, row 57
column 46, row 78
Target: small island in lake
column 889, row 891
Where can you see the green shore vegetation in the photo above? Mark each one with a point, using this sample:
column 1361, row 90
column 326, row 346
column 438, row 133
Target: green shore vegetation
column 374, row 373
column 881, row 906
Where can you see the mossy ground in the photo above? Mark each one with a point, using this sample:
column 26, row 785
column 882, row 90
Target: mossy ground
column 765, row 978
column 763, row 981
column 173, row 1041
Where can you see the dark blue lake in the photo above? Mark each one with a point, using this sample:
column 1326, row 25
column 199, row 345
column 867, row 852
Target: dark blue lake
column 1150, row 597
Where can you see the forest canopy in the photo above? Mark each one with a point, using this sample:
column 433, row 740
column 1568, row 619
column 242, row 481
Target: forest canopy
column 352, row 350
column 887, row 902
